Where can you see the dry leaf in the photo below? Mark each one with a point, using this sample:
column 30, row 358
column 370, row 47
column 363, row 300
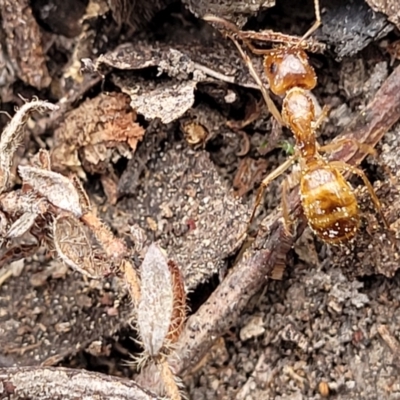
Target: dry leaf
column 23, row 40
column 156, row 300
column 13, row 134
column 74, row 247
column 389, row 7
column 95, row 134
column 167, row 100
column 56, row 188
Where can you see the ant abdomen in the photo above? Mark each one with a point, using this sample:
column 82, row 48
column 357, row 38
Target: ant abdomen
column 329, row 203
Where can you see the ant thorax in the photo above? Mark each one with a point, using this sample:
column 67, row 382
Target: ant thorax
column 298, row 112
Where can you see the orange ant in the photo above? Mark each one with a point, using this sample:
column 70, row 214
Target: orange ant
column 329, row 203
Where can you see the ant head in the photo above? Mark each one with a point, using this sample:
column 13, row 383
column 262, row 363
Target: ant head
column 288, row 67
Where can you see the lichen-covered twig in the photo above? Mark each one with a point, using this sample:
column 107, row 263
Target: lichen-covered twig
column 248, row 276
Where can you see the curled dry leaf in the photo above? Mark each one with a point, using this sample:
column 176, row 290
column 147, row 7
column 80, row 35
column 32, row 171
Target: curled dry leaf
column 22, row 225
column 74, row 247
column 179, row 307
column 155, row 307
column 18, row 202
column 56, row 188
column 12, row 136
column 144, row 54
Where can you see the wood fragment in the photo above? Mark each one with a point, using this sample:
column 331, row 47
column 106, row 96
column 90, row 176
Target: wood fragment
column 389, row 339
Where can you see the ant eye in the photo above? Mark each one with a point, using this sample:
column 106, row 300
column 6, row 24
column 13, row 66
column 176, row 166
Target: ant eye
column 273, row 68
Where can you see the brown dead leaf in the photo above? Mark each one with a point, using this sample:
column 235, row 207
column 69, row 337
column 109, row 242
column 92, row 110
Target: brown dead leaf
column 96, row 134
column 23, row 42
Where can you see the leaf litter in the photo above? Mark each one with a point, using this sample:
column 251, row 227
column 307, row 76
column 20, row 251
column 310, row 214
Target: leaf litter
column 180, row 199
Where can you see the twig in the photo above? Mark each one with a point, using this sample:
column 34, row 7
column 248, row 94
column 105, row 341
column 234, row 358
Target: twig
column 389, row 339
column 227, row 302
column 46, row 383
column 214, row 74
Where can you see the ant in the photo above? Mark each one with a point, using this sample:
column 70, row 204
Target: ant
column 329, row 203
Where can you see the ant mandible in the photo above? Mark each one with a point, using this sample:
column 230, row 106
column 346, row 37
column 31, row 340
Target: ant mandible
column 328, row 201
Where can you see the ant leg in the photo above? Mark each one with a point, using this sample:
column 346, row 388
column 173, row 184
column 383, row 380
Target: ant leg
column 266, row 181
column 317, row 22
column 364, row 147
column 228, row 25
column 255, row 50
column 287, row 185
column 270, row 104
column 287, row 221
column 322, row 116
column 341, row 165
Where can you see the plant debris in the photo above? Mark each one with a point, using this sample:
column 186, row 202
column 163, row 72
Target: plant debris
column 23, row 41
column 390, row 8
column 96, row 135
